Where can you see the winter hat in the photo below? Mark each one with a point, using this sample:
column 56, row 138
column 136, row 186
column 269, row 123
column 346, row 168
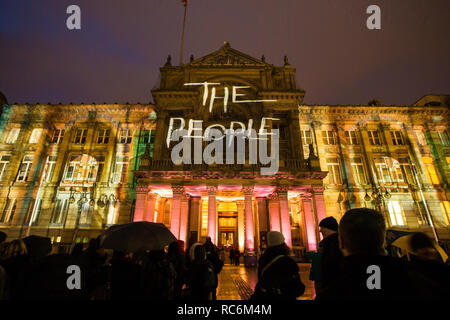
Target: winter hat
column 274, row 238
column 329, row 223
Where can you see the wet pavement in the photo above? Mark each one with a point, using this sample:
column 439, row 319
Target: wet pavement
column 238, row 282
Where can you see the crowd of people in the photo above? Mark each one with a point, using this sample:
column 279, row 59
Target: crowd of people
column 342, row 268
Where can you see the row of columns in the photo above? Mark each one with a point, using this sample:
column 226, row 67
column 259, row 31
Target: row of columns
column 278, row 205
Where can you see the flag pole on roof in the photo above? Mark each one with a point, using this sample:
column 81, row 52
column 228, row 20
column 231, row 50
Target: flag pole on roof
column 182, row 35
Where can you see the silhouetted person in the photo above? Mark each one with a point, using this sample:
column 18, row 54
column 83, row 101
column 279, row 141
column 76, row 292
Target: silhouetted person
column 3, row 275
column 77, row 250
column 237, row 255
column 124, row 277
column 202, row 279
column 367, row 274
column 278, row 273
column 16, row 263
column 434, row 274
column 231, row 256
column 176, row 256
column 330, row 254
column 159, row 276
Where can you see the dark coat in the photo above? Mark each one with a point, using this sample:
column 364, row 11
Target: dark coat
column 179, row 264
column 125, row 279
column 278, row 279
column 331, row 260
column 202, row 280
column 396, row 283
column 433, row 278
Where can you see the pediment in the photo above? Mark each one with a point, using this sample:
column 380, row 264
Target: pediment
column 227, row 57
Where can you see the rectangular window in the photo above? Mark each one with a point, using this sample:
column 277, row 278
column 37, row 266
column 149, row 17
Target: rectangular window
column 49, row 167
column 329, row 137
column 351, row 137
column 72, row 168
column 125, row 136
column 13, row 135
column 443, row 138
column 307, row 137
column 396, row 213
column 80, row 136
column 36, row 212
column 4, row 163
column 334, row 171
column 103, row 136
column 35, row 135
column 60, row 211
column 120, row 169
column 25, row 168
column 404, row 171
column 383, row 170
column 421, row 140
column 8, row 211
column 147, row 136
column 445, row 208
column 100, row 166
column 430, row 170
column 58, row 135
column 397, row 138
column 374, row 138
column 359, row 172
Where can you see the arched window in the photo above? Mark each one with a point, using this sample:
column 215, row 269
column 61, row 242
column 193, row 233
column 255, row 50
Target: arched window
column 83, row 168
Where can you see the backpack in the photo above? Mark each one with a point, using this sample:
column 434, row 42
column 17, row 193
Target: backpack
column 280, row 291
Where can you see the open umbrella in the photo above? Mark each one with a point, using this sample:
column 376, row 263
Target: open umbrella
column 404, row 244
column 38, row 247
column 137, row 237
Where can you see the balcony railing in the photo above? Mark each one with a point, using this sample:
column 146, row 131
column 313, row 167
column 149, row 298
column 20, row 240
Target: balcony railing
column 168, row 165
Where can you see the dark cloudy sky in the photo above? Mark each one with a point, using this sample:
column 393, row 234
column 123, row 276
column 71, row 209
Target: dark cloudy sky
column 116, row 55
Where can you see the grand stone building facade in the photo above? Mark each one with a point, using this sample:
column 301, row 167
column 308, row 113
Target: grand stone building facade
column 70, row 171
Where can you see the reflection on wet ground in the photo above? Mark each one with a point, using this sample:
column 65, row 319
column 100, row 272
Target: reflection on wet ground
column 238, row 282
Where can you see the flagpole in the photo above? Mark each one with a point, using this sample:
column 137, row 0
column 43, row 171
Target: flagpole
column 182, row 35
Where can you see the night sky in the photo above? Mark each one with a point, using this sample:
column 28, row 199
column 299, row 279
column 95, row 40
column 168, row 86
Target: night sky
column 116, row 55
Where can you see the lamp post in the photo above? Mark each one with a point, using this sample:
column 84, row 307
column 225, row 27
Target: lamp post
column 105, row 199
column 377, row 198
column 82, row 200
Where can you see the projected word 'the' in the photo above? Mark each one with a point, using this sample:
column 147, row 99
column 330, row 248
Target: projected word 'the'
column 225, row 98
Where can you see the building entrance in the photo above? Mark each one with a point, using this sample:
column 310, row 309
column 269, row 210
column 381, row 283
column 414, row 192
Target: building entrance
column 227, row 231
column 227, row 239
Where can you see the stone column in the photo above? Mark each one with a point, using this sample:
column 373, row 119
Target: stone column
column 262, row 214
column 150, row 212
column 212, row 191
column 139, row 209
column 241, row 224
column 319, row 207
column 274, row 212
column 194, row 214
column 309, row 223
column 249, row 230
column 284, row 215
column 177, row 192
column 184, row 217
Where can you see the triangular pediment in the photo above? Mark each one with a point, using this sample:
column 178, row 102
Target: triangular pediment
column 227, row 57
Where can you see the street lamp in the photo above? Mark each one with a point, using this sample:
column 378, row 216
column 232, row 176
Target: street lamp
column 377, row 198
column 104, row 199
column 83, row 199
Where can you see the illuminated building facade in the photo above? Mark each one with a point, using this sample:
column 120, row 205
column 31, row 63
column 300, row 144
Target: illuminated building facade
column 70, row 171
